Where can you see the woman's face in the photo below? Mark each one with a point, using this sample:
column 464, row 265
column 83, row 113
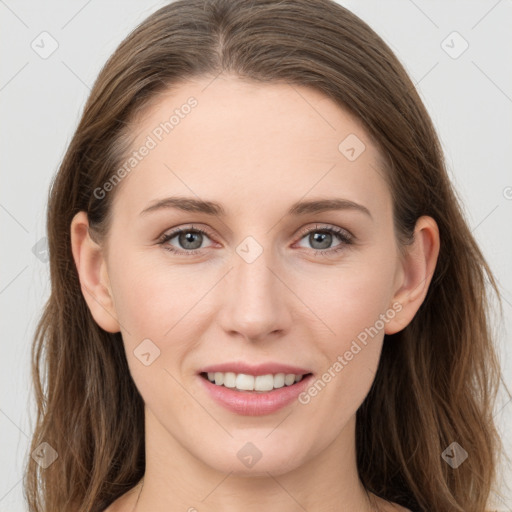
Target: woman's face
column 267, row 284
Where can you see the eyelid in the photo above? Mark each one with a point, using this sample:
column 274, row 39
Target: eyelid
column 169, row 234
column 342, row 232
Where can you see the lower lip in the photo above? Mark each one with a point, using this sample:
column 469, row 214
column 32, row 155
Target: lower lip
column 251, row 403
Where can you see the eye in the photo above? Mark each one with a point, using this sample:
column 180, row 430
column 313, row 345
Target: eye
column 190, row 239
column 322, row 237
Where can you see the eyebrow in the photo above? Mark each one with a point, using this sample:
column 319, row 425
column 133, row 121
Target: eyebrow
column 190, row 204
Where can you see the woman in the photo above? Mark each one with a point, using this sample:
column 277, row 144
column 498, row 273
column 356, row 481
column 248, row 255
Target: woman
column 264, row 293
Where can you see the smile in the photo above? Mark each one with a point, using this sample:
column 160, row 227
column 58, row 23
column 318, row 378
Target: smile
column 256, row 383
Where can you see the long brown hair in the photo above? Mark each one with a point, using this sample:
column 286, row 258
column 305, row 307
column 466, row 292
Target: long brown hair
column 437, row 379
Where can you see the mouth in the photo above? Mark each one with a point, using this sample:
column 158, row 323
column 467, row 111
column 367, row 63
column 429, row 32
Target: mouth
column 254, row 384
column 254, row 389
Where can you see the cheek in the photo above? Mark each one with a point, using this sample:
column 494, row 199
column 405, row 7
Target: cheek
column 159, row 303
column 152, row 308
column 350, row 300
column 150, row 299
column 354, row 308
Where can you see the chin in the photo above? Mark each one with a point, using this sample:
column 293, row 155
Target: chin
column 258, row 457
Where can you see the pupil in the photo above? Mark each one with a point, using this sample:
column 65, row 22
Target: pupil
column 188, row 237
column 322, row 237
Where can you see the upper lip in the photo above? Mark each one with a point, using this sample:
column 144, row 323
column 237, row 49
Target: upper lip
column 251, row 369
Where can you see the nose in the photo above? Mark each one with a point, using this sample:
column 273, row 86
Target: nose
column 256, row 301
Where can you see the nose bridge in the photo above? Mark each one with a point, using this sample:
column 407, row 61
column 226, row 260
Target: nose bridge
column 255, row 303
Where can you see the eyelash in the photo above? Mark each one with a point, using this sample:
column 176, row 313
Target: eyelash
column 345, row 237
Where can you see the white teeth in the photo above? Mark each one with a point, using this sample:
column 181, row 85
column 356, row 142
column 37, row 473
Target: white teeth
column 244, row 382
column 289, row 379
column 264, row 383
column 279, row 380
column 230, row 379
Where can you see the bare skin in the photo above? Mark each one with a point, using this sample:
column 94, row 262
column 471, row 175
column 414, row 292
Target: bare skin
column 256, row 149
column 128, row 503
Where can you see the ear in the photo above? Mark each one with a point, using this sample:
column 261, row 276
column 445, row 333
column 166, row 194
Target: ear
column 92, row 271
column 415, row 273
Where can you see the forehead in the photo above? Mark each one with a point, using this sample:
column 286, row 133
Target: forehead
column 255, row 143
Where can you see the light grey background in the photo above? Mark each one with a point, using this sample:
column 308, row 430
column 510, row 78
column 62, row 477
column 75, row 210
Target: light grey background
column 41, row 99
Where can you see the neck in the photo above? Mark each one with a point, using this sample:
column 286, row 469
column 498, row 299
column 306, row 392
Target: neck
column 175, row 480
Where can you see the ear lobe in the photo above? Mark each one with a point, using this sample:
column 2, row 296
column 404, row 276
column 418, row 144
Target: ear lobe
column 417, row 269
column 92, row 271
